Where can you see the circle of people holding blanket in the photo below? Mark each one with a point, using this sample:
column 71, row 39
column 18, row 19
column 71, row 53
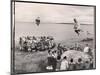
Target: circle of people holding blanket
column 70, row 59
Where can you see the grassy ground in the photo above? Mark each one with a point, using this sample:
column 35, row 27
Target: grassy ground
column 29, row 62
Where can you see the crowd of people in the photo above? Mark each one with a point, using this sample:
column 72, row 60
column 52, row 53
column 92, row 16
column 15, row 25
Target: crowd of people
column 55, row 51
column 32, row 43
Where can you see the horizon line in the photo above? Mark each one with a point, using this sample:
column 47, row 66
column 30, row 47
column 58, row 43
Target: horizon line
column 55, row 23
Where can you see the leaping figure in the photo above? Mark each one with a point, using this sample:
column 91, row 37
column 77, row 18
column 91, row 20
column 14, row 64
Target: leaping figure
column 77, row 27
column 37, row 20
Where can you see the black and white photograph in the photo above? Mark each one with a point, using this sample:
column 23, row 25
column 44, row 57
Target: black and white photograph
column 52, row 37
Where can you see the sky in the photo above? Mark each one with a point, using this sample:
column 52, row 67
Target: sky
column 51, row 13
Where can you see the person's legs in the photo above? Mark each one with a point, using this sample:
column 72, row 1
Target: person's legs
column 54, row 67
column 54, row 64
column 77, row 31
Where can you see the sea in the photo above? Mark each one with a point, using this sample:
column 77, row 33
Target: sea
column 60, row 32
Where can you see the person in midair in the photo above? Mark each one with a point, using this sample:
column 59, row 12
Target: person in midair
column 37, row 20
column 76, row 27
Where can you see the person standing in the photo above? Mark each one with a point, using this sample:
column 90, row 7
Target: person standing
column 64, row 64
column 54, row 60
column 49, row 64
column 58, row 63
column 86, row 48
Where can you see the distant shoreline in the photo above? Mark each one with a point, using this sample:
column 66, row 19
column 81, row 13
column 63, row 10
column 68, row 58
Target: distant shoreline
column 57, row 23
